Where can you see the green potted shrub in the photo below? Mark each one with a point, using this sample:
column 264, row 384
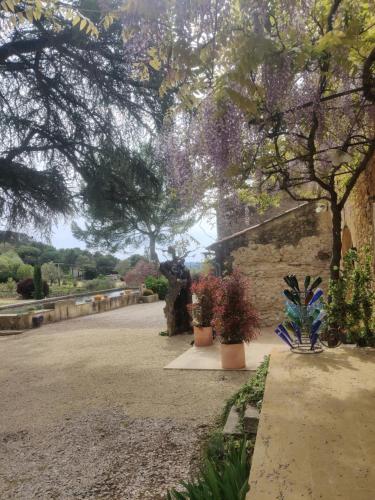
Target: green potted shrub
column 235, row 318
column 202, row 309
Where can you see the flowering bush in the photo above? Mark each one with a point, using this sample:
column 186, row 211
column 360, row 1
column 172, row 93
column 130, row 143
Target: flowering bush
column 26, row 288
column 234, row 314
column 205, row 289
column 140, row 271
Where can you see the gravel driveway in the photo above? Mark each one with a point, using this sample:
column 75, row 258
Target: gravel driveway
column 87, row 410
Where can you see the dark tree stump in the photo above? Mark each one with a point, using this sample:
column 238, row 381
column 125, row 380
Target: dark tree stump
column 178, row 296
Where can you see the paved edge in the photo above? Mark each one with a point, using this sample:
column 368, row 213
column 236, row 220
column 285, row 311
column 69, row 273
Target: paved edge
column 316, row 433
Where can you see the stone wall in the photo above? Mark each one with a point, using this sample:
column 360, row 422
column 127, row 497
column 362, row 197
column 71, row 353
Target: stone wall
column 65, row 309
column 359, row 213
column 296, row 242
column 233, row 216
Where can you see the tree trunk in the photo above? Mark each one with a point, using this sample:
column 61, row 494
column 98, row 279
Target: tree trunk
column 178, row 296
column 336, row 242
column 153, row 255
column 174, row 289
column 333, row 330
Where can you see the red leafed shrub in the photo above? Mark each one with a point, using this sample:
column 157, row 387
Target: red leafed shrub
column 234, row 315
column 26, row 288
column 205, row 289
column 140, row 271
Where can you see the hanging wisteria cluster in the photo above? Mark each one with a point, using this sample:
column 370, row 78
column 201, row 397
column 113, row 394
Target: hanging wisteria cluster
column 205, row 152
column 280, row 100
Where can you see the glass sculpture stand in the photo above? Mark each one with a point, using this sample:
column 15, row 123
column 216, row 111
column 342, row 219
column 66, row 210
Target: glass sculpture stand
column 305, row 346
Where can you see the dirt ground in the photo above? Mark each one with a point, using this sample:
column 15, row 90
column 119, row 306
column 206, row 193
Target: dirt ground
column 87, row 410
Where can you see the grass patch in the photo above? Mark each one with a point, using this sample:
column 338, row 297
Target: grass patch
column 250, row 393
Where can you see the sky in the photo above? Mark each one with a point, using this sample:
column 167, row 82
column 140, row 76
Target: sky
column 204, row 232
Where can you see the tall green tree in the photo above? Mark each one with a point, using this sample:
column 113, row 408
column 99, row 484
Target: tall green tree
column 50, row 272
column 125, row 265
column 128, row 203
column 24, row 271
column 105, row 264
column 38, row 283
column 9, row 264
column 30, row 254
column 60, row 90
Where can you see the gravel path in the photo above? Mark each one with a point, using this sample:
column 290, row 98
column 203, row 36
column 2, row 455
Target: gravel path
column 87, row 410
column 100, row 454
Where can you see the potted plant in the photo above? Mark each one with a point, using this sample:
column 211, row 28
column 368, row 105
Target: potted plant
column 202, row 309
column 236, row 319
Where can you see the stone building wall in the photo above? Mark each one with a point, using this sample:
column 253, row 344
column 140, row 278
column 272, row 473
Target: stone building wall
column 359, row 213
column 233, row 216
column 296, row 242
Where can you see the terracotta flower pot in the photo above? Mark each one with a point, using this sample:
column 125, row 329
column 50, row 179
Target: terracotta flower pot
column 233, row 356
column 203, row 336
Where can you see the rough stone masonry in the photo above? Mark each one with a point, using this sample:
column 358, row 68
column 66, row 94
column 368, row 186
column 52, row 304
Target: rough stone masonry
column 298, row 241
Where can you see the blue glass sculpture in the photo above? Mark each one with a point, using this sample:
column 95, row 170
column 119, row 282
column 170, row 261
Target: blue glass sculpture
column 283, row 337
column 305, row 313
column 316, row 296
column 297, row 330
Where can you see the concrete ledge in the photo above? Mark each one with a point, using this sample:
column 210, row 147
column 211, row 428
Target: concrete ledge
column 147, row 299
column 64, row 309
column 209, row 358
column 53, row 300
column 316, row 432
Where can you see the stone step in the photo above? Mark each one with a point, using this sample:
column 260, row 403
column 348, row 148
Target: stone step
column 251, row 420
column 249, row 425
column 233, row 426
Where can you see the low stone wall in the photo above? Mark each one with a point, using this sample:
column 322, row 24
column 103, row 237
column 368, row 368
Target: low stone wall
column 51, row 300
column 315, row 434
column 149, row 298
column 65, row 309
